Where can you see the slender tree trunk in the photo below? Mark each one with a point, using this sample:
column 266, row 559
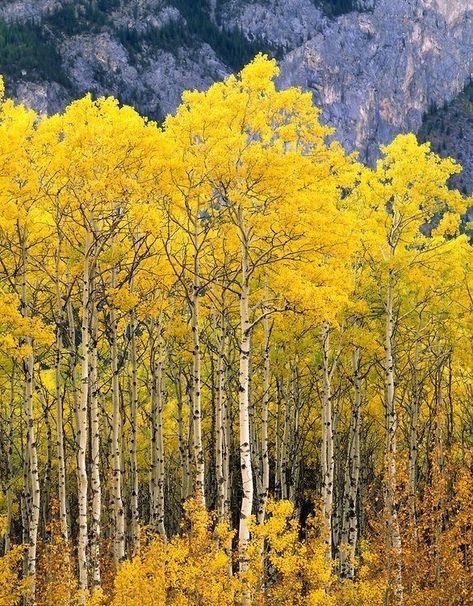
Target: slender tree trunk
column 25, row 495
column 118, row 509
column 160, row 445
column 46, row 484
column 349, row 533
column 413, row 439
column 327, row 441
column 135, row 514
column 199, row 459
column 244, row 381
column 263, row 496
column 228, row 439
column 9, row 490
column 183, row 445
column 278, row 441
column 220, row 423
column 392, row 520
column 157, row 440
column 190, row 446
column 293, row 458
column 32, row 454
column 285, row 445
column 60, row 419
column 96, row 485
column 82, row 414
column 439, row 481
column 58, row 385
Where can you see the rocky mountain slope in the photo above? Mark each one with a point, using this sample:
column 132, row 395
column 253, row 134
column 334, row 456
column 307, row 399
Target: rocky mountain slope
column 376, row 67
column 450, row 130
column 376, row 74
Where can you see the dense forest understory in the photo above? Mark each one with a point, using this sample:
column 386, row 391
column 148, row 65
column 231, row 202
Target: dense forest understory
column 235, row 363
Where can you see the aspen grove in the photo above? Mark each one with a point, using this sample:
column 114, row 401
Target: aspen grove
column 236, row 365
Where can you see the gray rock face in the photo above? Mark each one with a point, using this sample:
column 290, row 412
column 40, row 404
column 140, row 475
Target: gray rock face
column 286, row 24
column 153, row 80
column 23, row 10
column 100, row 64
column 376, row 74
column 45, row 98
column 169, row 74
column 140, row 15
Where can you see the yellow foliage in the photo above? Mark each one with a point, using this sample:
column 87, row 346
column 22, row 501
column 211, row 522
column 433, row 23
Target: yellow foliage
column 299, row 571
column 189, row 570
column 239, row 193
column 12, row 587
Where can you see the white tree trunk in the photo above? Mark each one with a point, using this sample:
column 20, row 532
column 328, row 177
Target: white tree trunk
column 118, row 509
column 135, row 514
column 60, row 444
column 413, row 434
column 244, row 382
column 31, row 448
column 228, row 440
column 96, row 486
column 393, row 530
column 183, row 443
column 199, row 460
column 220, row 422
column 10, row 476
column 158, row 418
column 81, row 418
column 349, row 531
column 264, row 493
column 327, row 441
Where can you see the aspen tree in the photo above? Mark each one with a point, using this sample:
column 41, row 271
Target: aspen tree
column 157, row 438
column 349, row 523
column 327, row 439
column 20, row 238
column 60, row 320
column 251, row 200
column 407, row 189
column 82, row 416
column 264, row 455
column 32, row 453
column 134, row 505
column 243, row 390
column 118, row 507
column 331, row 356
column 10, row 469
column 96, row 484
column 221, row 447
column 187, row 265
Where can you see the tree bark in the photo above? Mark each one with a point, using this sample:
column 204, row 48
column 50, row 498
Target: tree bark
column 81, row 414
column 349, row 531
column 264, row 456
column 244, row 381
column 96, row 487
column 134, row 501
column 327, row 441
column 220, row 423
column 392, row 520
column 10, row 476
column 60, row 415
column 157, row 440
column 199, row 460
column 31, row 448
column 118, row 509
